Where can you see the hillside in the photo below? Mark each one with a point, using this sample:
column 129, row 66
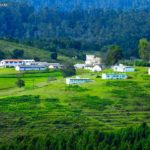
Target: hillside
column 82, row 30
column 30, row 52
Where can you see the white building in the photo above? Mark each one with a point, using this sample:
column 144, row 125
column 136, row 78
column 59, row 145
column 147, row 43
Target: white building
column 122, row 68
column 28, row 61
column 92, row 63
column 30, row 68
column 92, row 59
column 97, row 68
column 114, row 76
column 55, row 66
column 93, row 68
column 15, row 62
column 40, row 63
column 79, row 66
column 77, row 80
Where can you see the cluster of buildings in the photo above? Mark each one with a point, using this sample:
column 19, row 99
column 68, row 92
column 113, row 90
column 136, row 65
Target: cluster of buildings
column 28, row 65
column 92, row 63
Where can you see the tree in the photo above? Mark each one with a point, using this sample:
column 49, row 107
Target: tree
column 20, row 83
column 54, row 56
column 17, row 53
column 144, row 49
column 114, row 55
column 69, row 70
column 2, row 55
column 36, row 58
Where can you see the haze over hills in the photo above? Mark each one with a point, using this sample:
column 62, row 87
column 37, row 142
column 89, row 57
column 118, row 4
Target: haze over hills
column 87, row 4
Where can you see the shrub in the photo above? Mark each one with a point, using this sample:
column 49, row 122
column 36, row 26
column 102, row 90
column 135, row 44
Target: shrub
column 20, row 83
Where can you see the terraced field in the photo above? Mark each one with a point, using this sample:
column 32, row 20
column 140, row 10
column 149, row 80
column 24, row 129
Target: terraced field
column 51, row 105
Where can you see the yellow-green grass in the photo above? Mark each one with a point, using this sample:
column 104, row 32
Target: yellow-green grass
column 102, row 104
column 30, row 52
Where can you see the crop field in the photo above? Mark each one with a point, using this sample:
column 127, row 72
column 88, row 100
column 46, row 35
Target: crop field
column 46, row 103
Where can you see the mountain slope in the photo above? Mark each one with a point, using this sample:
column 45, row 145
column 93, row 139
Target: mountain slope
column 80, row 29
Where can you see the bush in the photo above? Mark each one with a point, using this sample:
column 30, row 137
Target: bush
column 69, row 70
column 20, row 83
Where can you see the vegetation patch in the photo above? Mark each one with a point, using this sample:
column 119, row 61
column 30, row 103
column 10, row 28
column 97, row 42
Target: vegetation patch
column 76, row 88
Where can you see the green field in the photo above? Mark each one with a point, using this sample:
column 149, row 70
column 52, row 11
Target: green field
column 46, row 103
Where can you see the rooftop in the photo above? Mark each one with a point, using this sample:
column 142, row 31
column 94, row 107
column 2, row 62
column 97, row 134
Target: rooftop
column 32, row 66
column 14, row 60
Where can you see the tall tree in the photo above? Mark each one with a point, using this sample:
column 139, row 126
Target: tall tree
column 144, row 49
column 114, row 55
column 54, row 56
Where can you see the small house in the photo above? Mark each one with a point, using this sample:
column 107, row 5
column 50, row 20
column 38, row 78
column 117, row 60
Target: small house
column 55, row 66
column 79, row 66
column 97, row 68
column 114, row 76
column 93, row 68
column 30, row 68
column 122, row 68
column 40, row 63
column 77, row 80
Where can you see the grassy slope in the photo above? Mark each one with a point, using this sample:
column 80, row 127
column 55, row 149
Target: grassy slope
column 103, row 104
column 30, row 52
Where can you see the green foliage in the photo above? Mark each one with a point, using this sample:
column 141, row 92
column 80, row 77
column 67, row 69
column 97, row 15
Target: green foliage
column 36, row 58
column 17, row 53
column 69, row 70
column 144, row 49
column 54, row 56
column 114, row 55
column 75, row 88
column 78, row 29
column 130, row 138
column 135, row 63
column 2, row 55
column 20, row 83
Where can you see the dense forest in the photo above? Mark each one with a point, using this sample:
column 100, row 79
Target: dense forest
column 79, row 29
column 126, row 139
